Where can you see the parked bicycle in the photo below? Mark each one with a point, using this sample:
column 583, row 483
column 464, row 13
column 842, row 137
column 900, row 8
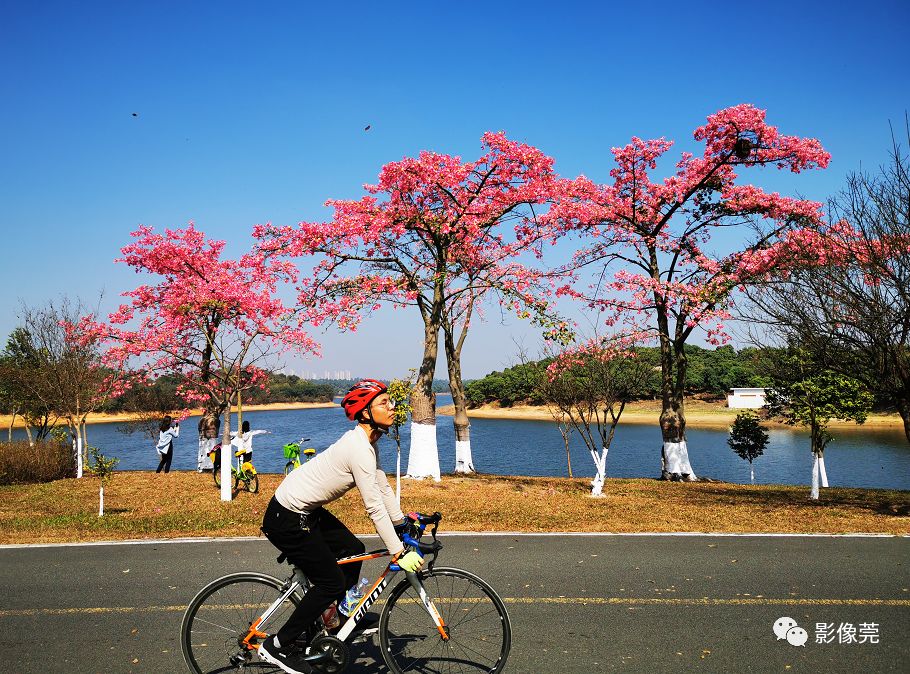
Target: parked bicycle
column 243, row 473
column 436, row 620
column 292, row 454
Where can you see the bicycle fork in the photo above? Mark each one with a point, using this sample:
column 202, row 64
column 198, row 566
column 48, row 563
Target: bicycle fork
column 428, row 605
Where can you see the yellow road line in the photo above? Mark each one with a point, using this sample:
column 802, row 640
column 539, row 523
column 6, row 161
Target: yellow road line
column 582, row 601
column 705, row 601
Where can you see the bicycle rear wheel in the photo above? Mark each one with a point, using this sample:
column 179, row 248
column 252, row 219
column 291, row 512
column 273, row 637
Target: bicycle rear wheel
column 219, row 617
column 252, row 485
column 480, row 634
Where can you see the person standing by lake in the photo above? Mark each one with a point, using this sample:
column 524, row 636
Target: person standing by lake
column 170, row 429
column 244, row 441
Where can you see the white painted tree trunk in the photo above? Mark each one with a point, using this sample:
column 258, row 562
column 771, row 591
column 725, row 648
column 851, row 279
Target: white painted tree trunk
column 78, row 454
column 225, row 471
column 751, row 473
column 821, row 468
column 101, row 501
column 676, row 459
column 398, row 478
column 463, row 461
column 815, row 471
column 423, row 459
column 203, row 462
column 600, row 467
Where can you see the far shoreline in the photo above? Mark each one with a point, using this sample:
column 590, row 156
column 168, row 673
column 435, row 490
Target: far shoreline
column 699, row 415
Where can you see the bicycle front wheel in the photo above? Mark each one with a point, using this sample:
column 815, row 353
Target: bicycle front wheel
column 288, row 467
column 219, row 618
column 479, row 631
column 252, row 484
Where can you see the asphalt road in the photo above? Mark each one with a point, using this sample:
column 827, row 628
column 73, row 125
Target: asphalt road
column 577, row 603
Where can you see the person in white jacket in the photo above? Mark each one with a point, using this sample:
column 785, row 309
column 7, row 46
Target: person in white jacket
column 170, row 429
column 313, row 539
column 243, row 441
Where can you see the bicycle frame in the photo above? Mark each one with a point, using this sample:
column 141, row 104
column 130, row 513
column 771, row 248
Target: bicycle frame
column 366, row 601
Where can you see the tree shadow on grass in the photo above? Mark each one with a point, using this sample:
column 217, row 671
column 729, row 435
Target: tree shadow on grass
column 880, row 501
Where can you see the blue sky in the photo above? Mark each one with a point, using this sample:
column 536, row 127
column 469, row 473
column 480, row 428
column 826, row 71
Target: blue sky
column 255, row 112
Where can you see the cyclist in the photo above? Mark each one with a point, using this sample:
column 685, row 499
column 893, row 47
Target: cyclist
column 312, row 538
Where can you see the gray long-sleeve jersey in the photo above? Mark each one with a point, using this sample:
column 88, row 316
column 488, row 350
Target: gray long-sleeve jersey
column 351, row 461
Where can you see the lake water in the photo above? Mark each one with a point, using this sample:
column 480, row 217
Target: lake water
column 858, row 457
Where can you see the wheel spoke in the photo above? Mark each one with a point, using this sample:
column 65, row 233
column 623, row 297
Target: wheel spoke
column 219, row 618
column 478, row 627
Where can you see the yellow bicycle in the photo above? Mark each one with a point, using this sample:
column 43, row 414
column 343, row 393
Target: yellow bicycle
column 243, row 473
column 292, row 454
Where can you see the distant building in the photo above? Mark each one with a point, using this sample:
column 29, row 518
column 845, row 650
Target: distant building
column 746, row 398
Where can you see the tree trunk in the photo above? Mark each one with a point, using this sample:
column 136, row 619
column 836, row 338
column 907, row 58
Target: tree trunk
column 903, row 408
column 78, row 454
column 101, row 500
column 83, row 437
column 814, row 493
column 818, row 451
column 600, row 467
column 28, row 433
column 423, row 458
column 463, row 460
column 565, row 439
column 822, row 471
column 208, row 438
column 674, row 451
column 226, row 454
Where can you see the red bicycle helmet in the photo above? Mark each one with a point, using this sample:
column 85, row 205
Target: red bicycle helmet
column 361, row 395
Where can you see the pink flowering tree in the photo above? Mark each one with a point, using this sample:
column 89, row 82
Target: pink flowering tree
column 211, row 321
column 439, row 235
column 649, row 242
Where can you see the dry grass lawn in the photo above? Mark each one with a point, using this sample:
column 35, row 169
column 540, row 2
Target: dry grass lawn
column 148, row 505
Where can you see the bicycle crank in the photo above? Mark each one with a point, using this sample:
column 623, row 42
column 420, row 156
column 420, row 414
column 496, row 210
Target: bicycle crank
column 329, row 655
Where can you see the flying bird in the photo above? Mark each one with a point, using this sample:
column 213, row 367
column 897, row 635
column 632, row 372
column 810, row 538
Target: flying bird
column 135, row 114
column 367, row 127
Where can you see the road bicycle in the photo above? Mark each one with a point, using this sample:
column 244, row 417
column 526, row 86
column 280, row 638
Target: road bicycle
column 292, row 454
column 437, row 620
column 243, row 473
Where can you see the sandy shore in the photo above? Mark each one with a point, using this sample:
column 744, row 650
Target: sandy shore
column 113, row 418
column 699, row 414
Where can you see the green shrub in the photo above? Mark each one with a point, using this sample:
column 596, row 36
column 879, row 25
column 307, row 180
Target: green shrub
column 45, row 462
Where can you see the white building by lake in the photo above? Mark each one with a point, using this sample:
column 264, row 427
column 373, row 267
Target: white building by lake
column 746, row 398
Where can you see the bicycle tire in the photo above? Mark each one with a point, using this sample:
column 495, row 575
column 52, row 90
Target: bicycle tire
column 216, row 474
column 288, row 467
column 252, row 485
column 219, row 616
column 480, row 633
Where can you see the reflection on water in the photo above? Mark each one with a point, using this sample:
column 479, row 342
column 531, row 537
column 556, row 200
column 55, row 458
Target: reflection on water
column 862, row 457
